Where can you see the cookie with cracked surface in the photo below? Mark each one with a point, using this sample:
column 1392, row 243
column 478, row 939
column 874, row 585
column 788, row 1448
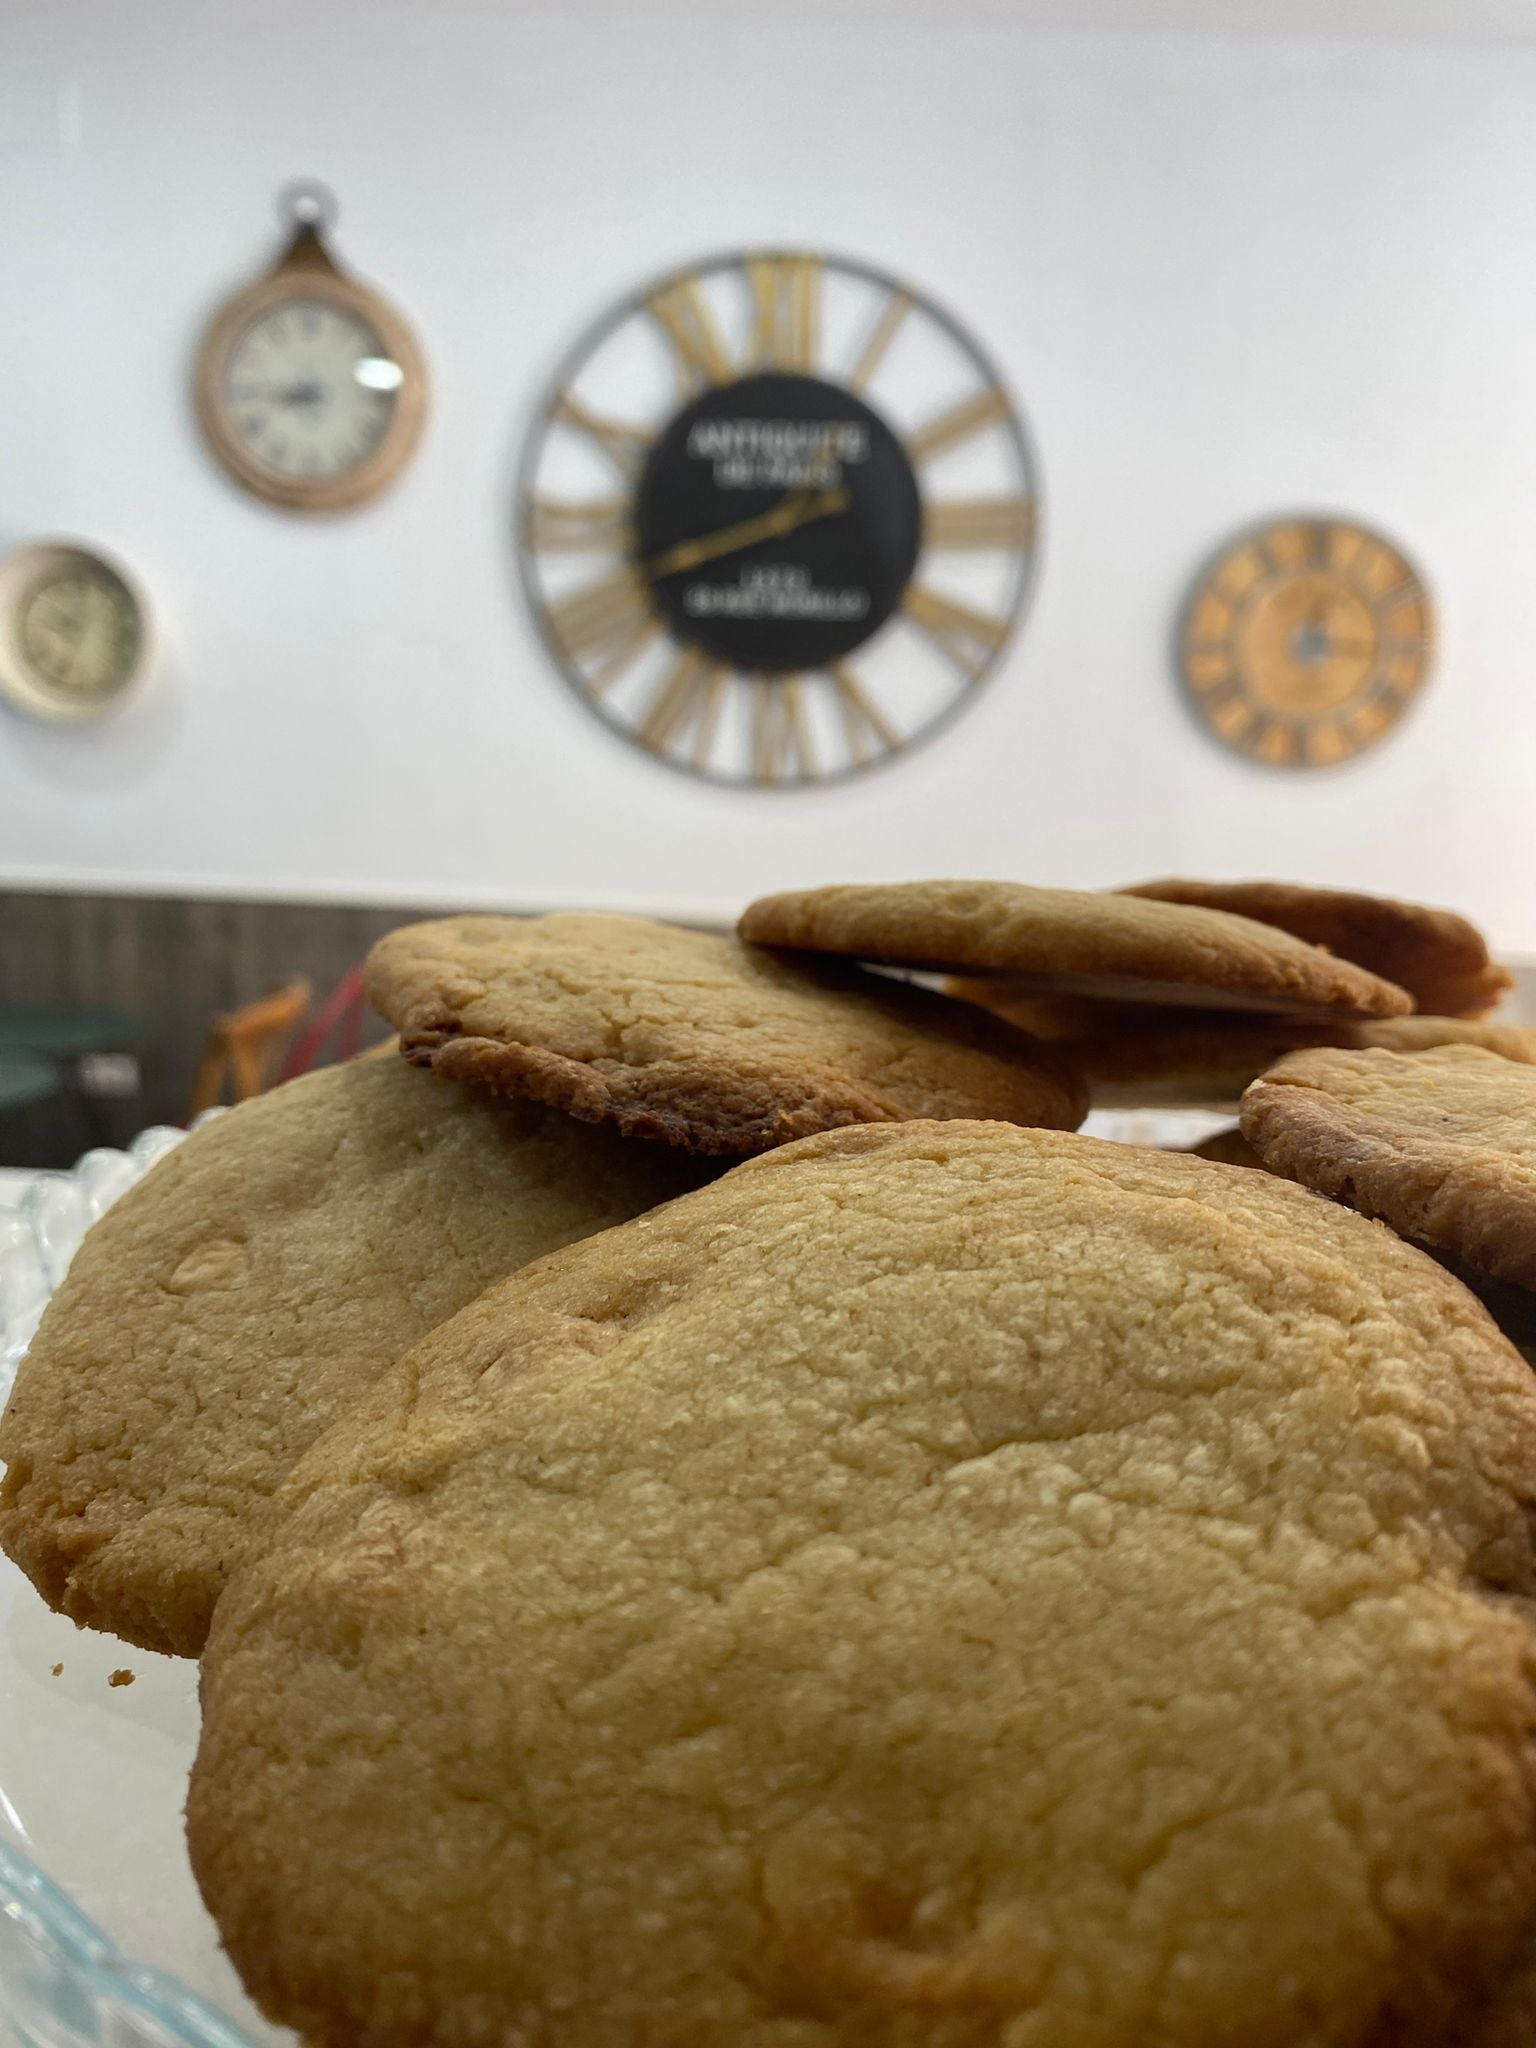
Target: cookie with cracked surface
column 1139, row 1055
column 1441, row 958
column 696, row 1039
column 1077, row 942
column 235, row 1302
column 1441, row 1145
column 903, row 1593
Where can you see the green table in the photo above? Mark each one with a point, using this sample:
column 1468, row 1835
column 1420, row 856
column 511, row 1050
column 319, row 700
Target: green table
column 26, row 1077
column 66, row 1030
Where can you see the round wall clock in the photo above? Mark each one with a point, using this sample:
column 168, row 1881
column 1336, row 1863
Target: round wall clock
column 73, row 633
column 310, row 387
column 777, row 519
column 1305, row 641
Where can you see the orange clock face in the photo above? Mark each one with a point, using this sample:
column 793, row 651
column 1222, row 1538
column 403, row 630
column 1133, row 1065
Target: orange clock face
column 1306, row 641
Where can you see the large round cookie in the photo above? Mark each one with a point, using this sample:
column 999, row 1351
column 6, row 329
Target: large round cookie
column 238, row 1300
column 696, row 1039
column 1077, row 942
column 1439, row 957
column 943, row 1586
column 1138, row 1055
column 1441, row 1145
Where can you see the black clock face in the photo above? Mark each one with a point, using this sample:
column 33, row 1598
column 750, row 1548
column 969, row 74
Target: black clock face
column 778, row 522
column 777, row 519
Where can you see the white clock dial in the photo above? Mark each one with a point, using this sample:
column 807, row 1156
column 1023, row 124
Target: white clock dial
column 73, row 632
column 81, row 633
column 309, row 388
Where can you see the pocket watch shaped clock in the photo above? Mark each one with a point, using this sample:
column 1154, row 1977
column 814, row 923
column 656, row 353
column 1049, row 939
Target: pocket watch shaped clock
column 1305, row 641
column 311, row 390
column 74, row 634
column 777, row 519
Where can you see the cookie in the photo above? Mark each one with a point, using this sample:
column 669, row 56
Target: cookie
column 696, row 1039
column 941, row 1585
column 1139, row 1055
column 1228, row 1148
column 1441, row 1144
column 1076, row 942
column 1441, row 959
column 241, row 1297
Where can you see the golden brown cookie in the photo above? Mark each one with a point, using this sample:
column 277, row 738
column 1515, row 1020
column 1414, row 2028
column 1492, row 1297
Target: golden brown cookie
column 1075, row 942
column 1440, row 958
column 943, row 1585
column 242, row 1296
column 1140, row 1055
column 696, row 1039
column 1441, row 1145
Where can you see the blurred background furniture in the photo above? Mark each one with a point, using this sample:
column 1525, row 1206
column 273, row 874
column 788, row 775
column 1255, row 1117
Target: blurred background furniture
column 169, row 963
column 245, row 1045
column 344, row 1013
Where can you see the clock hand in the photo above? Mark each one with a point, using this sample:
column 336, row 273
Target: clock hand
column 797, row 510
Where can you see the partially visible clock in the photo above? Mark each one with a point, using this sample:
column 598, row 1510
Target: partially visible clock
column 1306, row 640
column 74, row 636
column 310, row 387
column 777, row 518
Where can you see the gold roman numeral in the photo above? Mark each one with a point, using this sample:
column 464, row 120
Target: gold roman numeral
column 980, row 523
column 896, row 309
column 625, row 444
column 689, row 324
column 786, row 295
column 611, row 619
column 946, row 429
column 868, row 732
column 688, row 698
column 967, row 636
column 566, row 526
column 782, row 750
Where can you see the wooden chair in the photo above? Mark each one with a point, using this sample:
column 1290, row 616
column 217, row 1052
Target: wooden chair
column 244, row 1046
column 343, row 1012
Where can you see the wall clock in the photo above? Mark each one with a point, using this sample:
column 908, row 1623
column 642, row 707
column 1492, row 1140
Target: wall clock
column 777, row 518
column 311, row 390
column 74, row 635
column 1305, row 641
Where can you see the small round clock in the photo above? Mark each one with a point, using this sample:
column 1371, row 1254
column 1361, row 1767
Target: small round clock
column 73, row 633
column 310, row 387
column 1305, row 641
column 777, row 518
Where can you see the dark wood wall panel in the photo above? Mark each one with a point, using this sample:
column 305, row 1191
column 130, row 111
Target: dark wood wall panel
column 174, row 962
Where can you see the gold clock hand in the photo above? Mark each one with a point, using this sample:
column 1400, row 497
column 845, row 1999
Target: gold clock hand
column 797, row 510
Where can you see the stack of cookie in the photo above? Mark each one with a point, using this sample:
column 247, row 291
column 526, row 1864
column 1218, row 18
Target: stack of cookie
column 889, row 1570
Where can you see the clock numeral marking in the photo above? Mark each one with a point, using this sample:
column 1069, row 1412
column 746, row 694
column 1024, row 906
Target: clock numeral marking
column 1275, row 744
column 980, row 523
column 1322, row 745
column 786, row 292
column 958, row 424
column 689, row 324
column 567, row 526
column 625, row 444
column 967, row 636
column 689, row 696
column 611, row 616
column 896, row 309
column 782, row 750
column 868, row 732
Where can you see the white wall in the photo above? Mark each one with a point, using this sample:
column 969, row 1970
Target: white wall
column 1224, row 277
